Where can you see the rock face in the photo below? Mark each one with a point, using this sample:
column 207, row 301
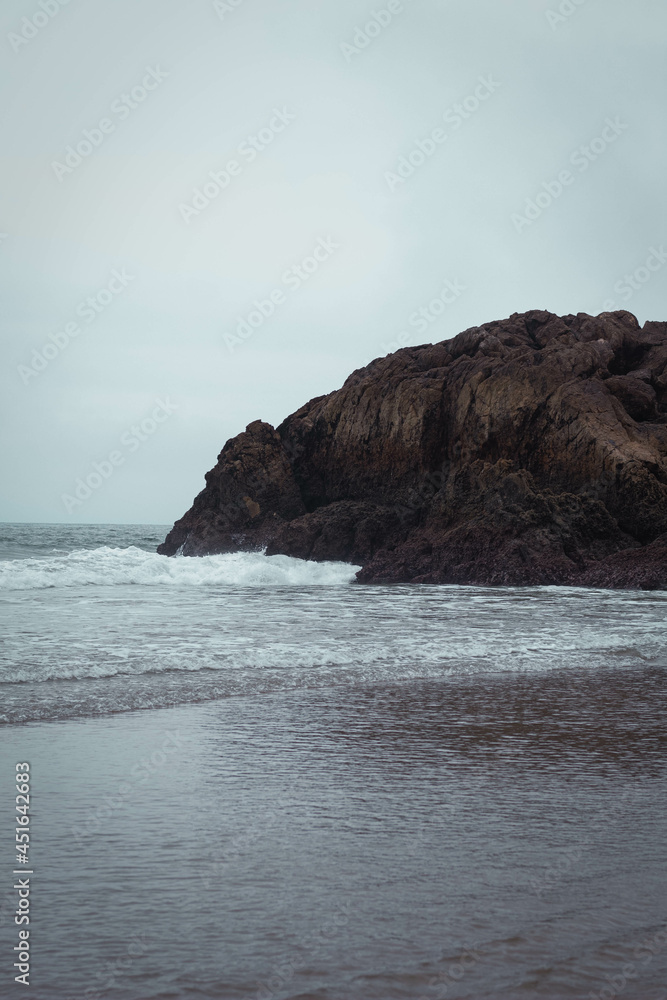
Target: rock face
column 527, row 451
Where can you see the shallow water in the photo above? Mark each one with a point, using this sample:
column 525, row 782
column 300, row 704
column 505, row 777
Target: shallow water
column 384, row 792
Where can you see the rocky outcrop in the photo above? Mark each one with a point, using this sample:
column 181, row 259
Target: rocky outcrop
column 527, row 451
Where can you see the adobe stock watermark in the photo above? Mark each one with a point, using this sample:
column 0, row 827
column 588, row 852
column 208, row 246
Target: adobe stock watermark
column 454, row 974
column 644, row 953
column 565, row 10
column 455, row 116
column 436, row 824
column 275, row 817
column 293, row 278
column 283, row 974
column 631, row 283
column 122, row 107
column 422, row 495
column 423, row 317
column 241, row 843
column 88, row 309
column 131, row 440
column 137, row 777
column 248, row 151
column 112, row 971
column 601, row 823
column 31, row 26
column 364, row 34
column 581, row 158
column 224, row 7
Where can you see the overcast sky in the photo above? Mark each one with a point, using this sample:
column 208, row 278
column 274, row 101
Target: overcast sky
column 384, row 170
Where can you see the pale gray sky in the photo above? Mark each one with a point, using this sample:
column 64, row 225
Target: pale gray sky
column 310, row 216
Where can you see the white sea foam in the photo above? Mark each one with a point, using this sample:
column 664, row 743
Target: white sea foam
column 115, row 566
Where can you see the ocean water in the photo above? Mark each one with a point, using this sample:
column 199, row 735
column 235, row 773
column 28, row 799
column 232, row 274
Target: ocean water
column 254, row 778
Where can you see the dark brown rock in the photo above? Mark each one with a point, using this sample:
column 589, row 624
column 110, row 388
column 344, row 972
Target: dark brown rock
column 636, row 394
column 527, row 451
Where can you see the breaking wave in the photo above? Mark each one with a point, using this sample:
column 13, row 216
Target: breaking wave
column 107, row 566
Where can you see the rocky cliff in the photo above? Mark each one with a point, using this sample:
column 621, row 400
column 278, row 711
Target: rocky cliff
column 527, row 451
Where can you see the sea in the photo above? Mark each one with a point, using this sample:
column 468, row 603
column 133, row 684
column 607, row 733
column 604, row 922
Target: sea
column 253, row 778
